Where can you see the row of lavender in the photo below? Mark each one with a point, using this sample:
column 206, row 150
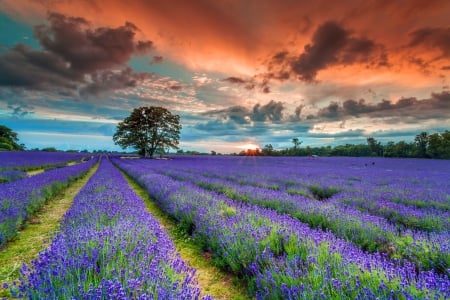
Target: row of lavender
column 21, row 198
column 34, row 159
column 428, row 250
column 109, row 247
column 281, row 257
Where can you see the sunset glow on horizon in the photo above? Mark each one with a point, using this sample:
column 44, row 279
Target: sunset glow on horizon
column 248, row 147
column 239, row 73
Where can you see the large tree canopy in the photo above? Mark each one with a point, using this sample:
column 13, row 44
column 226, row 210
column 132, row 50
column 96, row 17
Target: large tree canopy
column 9, row 139
column 148, row 129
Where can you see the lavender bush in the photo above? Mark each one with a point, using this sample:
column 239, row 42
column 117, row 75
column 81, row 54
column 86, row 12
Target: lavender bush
column 21, row 198
column 281, row 257
column 109, row 247
column 11, row 175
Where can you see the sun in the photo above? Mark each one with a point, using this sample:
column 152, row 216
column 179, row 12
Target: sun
column 248, row 146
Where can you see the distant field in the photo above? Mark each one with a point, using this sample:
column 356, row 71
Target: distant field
column 285, row 227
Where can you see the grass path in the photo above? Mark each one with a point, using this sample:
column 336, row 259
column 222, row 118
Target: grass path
column 212, row 280
column 37, row 233
column 42, row 170
column 35, row 172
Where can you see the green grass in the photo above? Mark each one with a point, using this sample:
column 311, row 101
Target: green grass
column 37, row 233
column 212, row 280
column 35, row 172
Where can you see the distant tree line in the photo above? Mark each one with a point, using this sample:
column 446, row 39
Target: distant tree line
column 436, row 145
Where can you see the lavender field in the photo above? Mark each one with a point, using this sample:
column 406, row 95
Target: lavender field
column 288, row 227
column 322, row 228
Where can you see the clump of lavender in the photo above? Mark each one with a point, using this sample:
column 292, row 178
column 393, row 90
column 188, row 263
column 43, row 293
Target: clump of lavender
column 109, row 247
column 11, row 175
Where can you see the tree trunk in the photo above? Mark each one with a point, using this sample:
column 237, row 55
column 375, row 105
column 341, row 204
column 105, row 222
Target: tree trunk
column 152, row 150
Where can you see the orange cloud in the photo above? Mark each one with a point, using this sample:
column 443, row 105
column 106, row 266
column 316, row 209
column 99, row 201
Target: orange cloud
column 238, row 38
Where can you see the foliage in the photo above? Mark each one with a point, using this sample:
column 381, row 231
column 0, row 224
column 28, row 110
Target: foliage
column 323, row 193
column 11, row 175
column 421, row 141
column 375, row 146
column 296, row 142
column 436, row 145
column 148, row 129
column 9, row 139
column 439, row 145
column 49, row 149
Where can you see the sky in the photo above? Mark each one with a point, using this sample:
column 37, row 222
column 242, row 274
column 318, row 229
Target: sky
column 240, row 74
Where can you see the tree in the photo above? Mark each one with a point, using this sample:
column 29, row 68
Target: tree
column 375, row 146
column 296, row 142
column 439, row 145
column 267, row 150
column 148, row 129
column 389, row 149
column 9, row 139
column 421, row 141
column 404, row 149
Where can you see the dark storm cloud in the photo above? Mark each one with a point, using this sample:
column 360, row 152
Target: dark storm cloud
column 272, row 111
column 19, row 108
column 421, row 63
column 24, row 67
column 280, row 57
column 249, row 84
column 297, row 112
column 110, row 81
column 237, row 114
column 86, row 49
column 235, row 80
column 437, row 106
column 156, row 60
column 72, row 50
column 176, row 87
column 331, row 45
column 437, row 38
